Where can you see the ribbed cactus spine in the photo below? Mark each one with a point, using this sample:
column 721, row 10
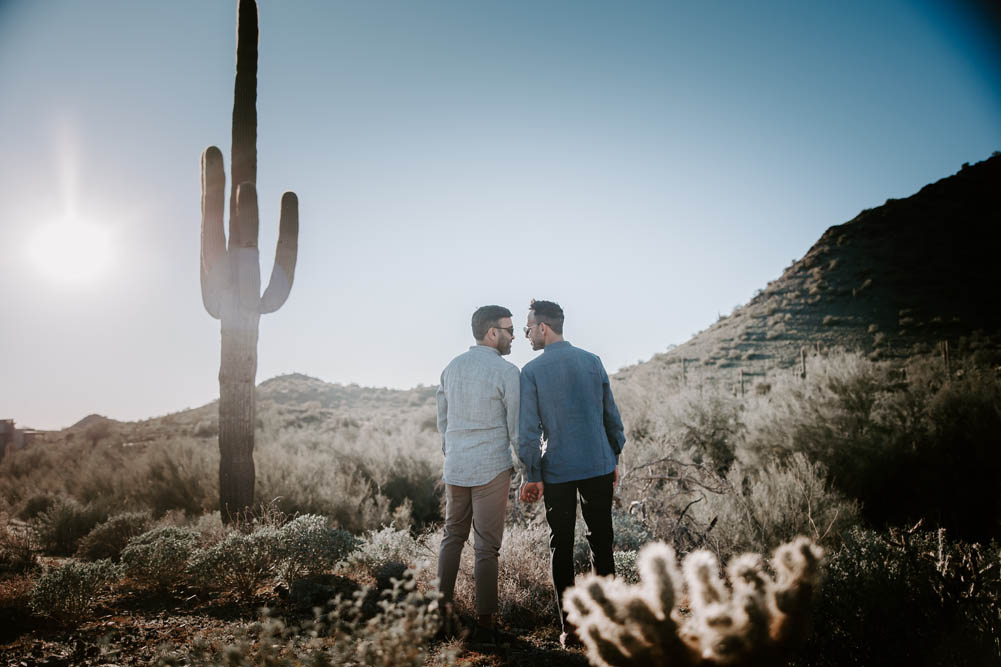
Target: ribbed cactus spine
column 231, row 276
column 754, row 621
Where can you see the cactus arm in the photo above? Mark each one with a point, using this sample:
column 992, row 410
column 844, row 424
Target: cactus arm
column 286, row 253
column 213, row 245
column 243, row 249
column 244, row 147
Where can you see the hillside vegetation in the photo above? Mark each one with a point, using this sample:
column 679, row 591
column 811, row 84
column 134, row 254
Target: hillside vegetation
column 854, row 426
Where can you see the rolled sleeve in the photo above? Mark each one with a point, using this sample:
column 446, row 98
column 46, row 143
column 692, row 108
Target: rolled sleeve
column 529, row 429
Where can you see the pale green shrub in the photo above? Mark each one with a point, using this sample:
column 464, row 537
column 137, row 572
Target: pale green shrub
column 306, row 545
column 630, row 532
column 108, row 539
column 158, row 558
column 238, row 562
column 388, row 545
column 626, row 566
column 756, row 621
column 67, row 592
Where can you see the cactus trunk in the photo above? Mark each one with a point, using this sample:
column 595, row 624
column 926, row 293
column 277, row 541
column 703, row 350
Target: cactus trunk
column 231, row 275
column 237, row 413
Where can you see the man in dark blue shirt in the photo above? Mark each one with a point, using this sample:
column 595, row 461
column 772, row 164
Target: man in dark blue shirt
column 569, row 438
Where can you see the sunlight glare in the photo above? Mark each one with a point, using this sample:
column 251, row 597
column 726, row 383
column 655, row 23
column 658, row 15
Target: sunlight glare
column 72, row 251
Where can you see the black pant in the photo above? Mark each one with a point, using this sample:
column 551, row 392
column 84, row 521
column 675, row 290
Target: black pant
column 561, row 513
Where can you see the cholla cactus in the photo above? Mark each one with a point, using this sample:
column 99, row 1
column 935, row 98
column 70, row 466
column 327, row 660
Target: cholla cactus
column 754, row 621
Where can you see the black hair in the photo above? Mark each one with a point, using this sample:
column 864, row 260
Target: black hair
column 486, row 317
column 548, row 312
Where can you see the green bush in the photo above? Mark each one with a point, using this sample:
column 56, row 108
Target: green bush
column 67, row 592
column 158, row 558
column 238, row 562
column 306, row 546
column 108, row 539
column 61, row 527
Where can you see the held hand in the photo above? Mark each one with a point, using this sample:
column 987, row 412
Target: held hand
column 530, row 492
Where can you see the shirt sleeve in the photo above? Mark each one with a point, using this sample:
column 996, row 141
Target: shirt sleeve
column 610, row 415
column 512, row 402
column 442, row 411
column 529, row 429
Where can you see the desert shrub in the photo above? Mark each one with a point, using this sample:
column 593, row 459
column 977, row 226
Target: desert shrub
column 158, row 558
column 108, row 539
column 919, row 600
column 178, row 476
column 625, row 566
column 763, row 509
column 908, row 445
column 36, row 504
column 306, row 545
column 711, row 427
column 525, row 580
column 345, row 633
column 61, row 527
column 238, row 562
column 388, row 545
column 67, row 592
column 17, row 553
column 210, row 527
column 305, row 478
column 630, row 532
column 417, row 480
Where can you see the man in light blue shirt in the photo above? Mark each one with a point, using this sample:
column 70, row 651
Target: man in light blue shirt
column 569, row 443
column 478, row 423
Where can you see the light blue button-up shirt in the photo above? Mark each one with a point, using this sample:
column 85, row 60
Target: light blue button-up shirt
column 567, row 404
column 478, row 416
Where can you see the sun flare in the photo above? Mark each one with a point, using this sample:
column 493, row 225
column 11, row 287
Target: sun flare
column 71, row 251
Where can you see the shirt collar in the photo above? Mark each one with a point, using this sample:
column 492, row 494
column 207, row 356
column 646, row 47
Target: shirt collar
column 557, row 344
column 485, row 348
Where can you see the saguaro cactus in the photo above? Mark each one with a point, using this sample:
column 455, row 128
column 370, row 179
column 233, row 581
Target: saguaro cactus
column 231, row 276
column 757, row 621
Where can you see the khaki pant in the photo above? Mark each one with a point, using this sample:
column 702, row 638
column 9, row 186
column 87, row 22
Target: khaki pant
column 484, row 507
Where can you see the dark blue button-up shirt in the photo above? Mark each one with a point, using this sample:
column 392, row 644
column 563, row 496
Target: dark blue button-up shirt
column 569, row 427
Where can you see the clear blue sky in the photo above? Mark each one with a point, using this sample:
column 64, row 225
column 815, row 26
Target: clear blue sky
column 649, row 165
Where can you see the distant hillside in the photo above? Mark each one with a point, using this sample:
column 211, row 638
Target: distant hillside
column 299, row 389
column 894, row 281
column 293, row 400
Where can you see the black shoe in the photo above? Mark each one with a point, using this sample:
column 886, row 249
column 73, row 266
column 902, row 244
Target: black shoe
column 451, row 626
column 485, row 635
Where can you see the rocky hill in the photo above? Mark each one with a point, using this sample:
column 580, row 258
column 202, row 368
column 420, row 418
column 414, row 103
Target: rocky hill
column 903, row 278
